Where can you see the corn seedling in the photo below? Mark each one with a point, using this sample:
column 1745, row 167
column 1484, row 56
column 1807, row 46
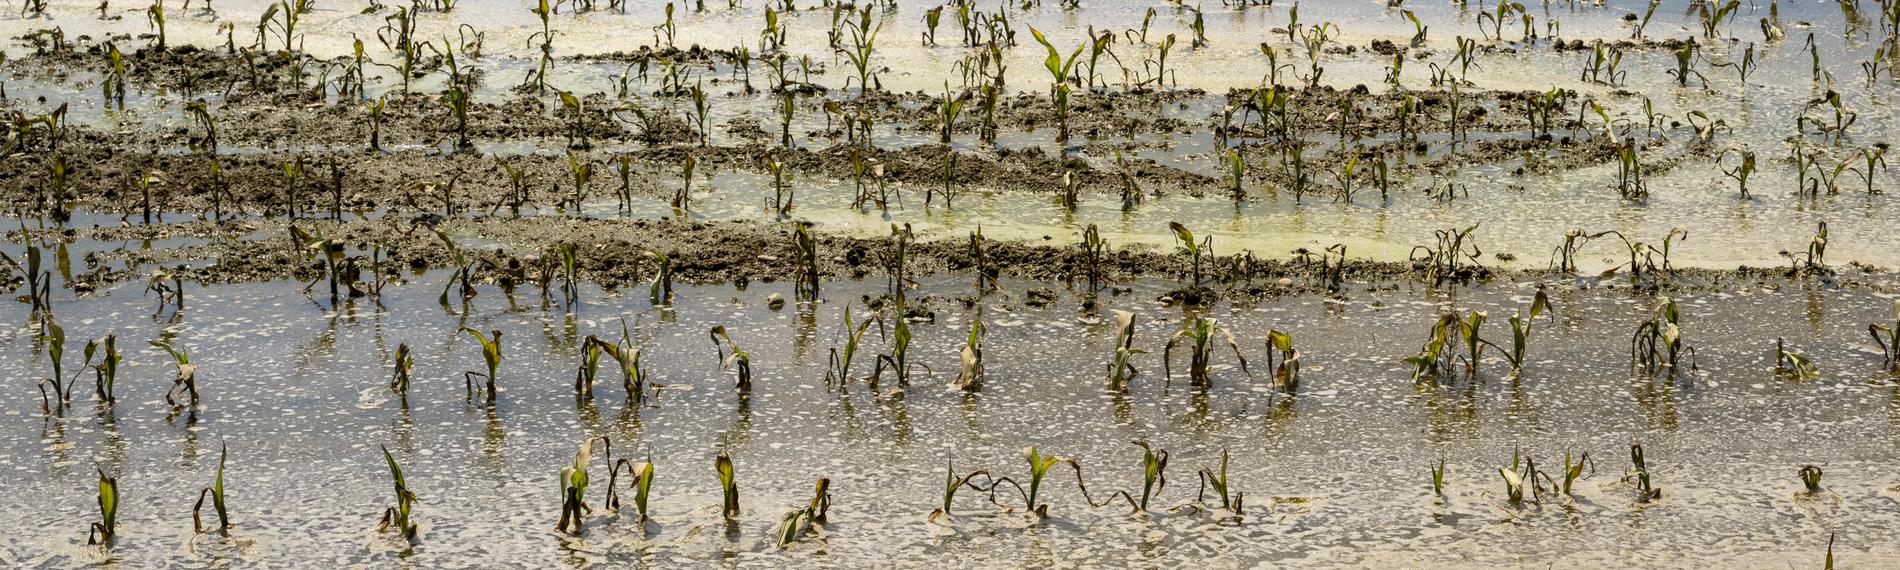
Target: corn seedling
column 632, row 375
column 1639, row 475
column 1230, row 496
column 970, row 373
column 1793, row 364
column 1810, row 478
column 1059, row 71
column 574, row 480
column 216, row 493
column 802, row 521
column 1038, row 468
column 951, row 483
column 491, row 356
column 399, row 379
column 1286, row 371
column 840, row 364
column 683, row 199
column 1121, row 368
column 1742, row 170
column 1890, row 344
column 728, row 486
column 1454, row 257
column 740, row 361
column 1438, row 478
column 399, row 516
column 184, row 392
column 660, row 293
column 642, row 485
column 101, row 533
column 1574, row 470
column 1200, row 333
column 1433, row 360
column 1154, row 473
column 1185, row 240
column 1657, row 342
column 1521, row 328
column 1522, row 478
column 106, row 372
column 55, row 338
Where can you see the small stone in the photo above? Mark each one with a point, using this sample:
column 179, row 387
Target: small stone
column 1286, row 282
column 768, row 258
column 775, row 301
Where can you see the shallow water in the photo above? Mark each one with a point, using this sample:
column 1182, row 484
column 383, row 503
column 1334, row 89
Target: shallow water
column 298, row 393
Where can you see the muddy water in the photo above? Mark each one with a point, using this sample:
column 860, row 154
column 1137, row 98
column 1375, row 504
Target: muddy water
column 298, row 394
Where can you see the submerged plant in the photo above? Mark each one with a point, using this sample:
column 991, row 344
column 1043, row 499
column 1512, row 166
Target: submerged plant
column 740, row 361
column 802, row 521
column 1154, row 476
column 1574, row 470
column 1120, row 368
column 399, row 516
column 1657, row 342
column 1890, row 344
column 1200, row 333
column 1793, row 364
column 728, row 485
column 1521, row 328
column 1230, row 496
column 1522, row 478
column 1286, row 373
column 102, row 532
column 1639, row 475
column 216, row 493
column 574, row 480
column 970, row 373
column 491, row 356
column 184, row 392
column 1038, row 468
column 106, row 372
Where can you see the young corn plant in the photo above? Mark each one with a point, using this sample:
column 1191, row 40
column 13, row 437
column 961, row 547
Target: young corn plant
column 1522, row 478
column 1810, row 478
column 1434, row 360
column 1039, row 468
column 728, row 486
column 806, row 520
column 216, row 493
column 184, row 392
column 1521, row 328
column 642, row 485
column 1154, row 476
column 1657, row 342
column 624, row 353
column 660, row 292
column 1639, row 475
column 970, row 373
column 106, row 372
column 1185, row 240
column 1200, row 333
column 1121, row 368
column 839, row 369
column 491, row 356
column 399, row 516
column 1793, row 364
column 1059, row 71
column 740, row 362
column 102, row 532
column 951, row 483
column 1231, row 499
column 1286, row 367
column 1438, row 478
column 399, row 379
column 574, row 480
column 55, row 338
column 1742, row 170
column 1574, row 470
column 1890, row 343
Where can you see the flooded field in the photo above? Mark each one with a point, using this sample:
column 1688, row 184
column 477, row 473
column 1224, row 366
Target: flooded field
column 1099, row 284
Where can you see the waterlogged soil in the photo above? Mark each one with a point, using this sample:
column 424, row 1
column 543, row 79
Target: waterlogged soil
column 1358, row 178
